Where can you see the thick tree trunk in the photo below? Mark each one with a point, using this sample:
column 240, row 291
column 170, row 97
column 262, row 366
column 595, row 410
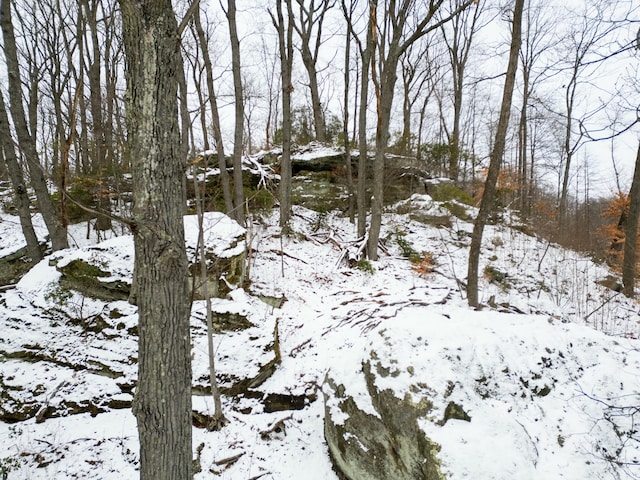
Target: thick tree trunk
column 26, row 140
column 17, row 180
column 631, row 234
column 162, row 403
column 486, row 203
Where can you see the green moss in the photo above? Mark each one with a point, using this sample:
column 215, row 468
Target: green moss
column 456, row 209
column 85, row 278
column 365, row 266
column 447, row 191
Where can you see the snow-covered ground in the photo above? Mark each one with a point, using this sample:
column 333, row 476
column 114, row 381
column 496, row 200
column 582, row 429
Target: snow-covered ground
column 330, row 315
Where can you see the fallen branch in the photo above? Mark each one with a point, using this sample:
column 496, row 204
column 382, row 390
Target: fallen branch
column 277, row 426
column 285, row 254
column 229, row 460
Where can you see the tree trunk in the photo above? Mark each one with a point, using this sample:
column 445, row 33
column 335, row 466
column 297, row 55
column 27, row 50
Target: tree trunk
column 162, row 403
column 26, row 140
column 361, row 196
column 215, row 117
column 311, row 14
column 631, row 234
column 345, row 119
column 238, row 197
column 98, row 164
column 19, row 187
column 285, row 43
column 486, row 203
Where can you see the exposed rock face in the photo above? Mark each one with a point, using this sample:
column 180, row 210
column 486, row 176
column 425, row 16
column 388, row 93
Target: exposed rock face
column 14, row 265
column 385, row 444
column 372, row 432
column 432, row 397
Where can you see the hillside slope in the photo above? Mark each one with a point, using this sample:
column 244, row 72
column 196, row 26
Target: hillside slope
column 547, row 370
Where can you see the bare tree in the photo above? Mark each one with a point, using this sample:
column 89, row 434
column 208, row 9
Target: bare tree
column 537, row 30
column 162, row 403
column 285, row 45
column 310, row 19
column 458, row 35
column 26, row 132
column 348, row 13
column 397, row 27
column 273, row 87
column 21, row 195
column 581, row 40
column 94, row 71
column 238, row 197
column 365, row 49
column 486, row 203
column 215, row 116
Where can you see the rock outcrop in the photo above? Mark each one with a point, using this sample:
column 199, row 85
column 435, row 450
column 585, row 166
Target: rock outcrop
column 431, row 397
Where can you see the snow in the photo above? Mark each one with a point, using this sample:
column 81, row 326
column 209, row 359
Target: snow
column 547, row 324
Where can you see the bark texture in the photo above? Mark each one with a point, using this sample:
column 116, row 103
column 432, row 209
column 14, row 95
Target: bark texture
column 21, row 195
column 24, row 132
column 162, row 403
column 631, row 234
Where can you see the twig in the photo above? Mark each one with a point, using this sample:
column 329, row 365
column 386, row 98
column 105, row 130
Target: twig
column 285, row 254
column 229, row 460
column 602, row 305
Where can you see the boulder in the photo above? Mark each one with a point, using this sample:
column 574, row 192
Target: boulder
column 225, row 253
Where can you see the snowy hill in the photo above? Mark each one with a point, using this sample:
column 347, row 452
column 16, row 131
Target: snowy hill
column 546, row 372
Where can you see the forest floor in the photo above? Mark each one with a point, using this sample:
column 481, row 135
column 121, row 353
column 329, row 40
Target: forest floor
column 67, row 362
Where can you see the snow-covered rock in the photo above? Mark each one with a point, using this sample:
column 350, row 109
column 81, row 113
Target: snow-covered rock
column 491, row 396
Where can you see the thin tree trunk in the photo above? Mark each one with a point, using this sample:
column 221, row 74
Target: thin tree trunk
column 362, row 197
column 26, row 140
column 98, row 167
column 218, row 420
column 631, row 234
column 215, row 117
column 238, row 197
column 162, row 403
column 486, row 203
column 345, row 127
column 285, row 43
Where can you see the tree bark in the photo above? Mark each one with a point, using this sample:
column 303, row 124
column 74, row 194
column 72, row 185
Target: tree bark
column 345, row 119
column 486, row 203
column 162, row 403
column 26, row 138
column 361, row 197
column 21, row 194
column 98, row 163
column 631, row 234
column 238, row 190
column 215, row 117
column 285, row 44
column 311, row 15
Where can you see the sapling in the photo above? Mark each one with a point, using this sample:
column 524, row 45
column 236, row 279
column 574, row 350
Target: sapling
column 218, row 420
